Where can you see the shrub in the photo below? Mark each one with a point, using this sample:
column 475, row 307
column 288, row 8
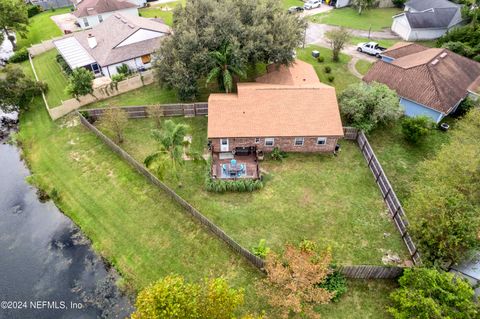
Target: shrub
column 330, row 78
column 261, row 250
column 124, row 69
column 399, row 3
column 327, row 69
column 115, row 79
column 460, row 48
column 320, row 59
column 336, row 283
column 465, row 106
column 307, row 245
column 240, row 185
column 277, row 154
column 477, row 58
column 33, row 10
column 19, row 56
column 63, row 64
column 415, row 128
column 80, row 82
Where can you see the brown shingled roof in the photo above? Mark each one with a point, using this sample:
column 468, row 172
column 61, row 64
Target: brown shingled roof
column 401, row 49
column 96, row 7
column 436, row 78
column 304, row 108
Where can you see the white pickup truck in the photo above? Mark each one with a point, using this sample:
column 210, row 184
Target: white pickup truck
column 371, row 48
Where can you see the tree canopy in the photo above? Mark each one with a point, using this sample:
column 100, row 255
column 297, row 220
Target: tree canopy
column 444, row 208
column 429, row 293
column 13, row 17
column 80, row 82
column 365, row 106
column 258, row 31
column 16, row 89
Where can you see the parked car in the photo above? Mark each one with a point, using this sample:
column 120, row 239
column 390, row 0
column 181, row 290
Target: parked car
column 312, row 4
column 295, row 9
column 371, row 48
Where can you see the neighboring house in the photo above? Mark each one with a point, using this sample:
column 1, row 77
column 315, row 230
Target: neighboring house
column 89, row 13
column 426, row 19
column 286, row 108
column 129, row 40
column 429, row 81
column 345, row 3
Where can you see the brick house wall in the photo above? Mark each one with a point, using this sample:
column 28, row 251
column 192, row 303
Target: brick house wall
column 286, row 144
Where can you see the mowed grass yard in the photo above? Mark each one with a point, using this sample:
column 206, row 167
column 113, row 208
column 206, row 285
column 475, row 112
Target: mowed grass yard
column 49, row 71
column 134, row 225
column 363, row 66
column 376, row 19
column 331, row 200
column 339, row 70
column 41, row 27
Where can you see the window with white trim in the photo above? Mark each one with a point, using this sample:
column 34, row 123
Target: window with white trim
column 85, row 22
column 321, row 140
column 270, row 141
column 299, row 141
column 100, row 19
column 257, row 140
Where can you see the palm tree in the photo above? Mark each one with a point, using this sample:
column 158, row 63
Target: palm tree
column 226, row 67
column 170, row 153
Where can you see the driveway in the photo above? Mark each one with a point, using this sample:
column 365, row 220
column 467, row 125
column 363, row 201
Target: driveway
column 323, row 8
column 66, row 22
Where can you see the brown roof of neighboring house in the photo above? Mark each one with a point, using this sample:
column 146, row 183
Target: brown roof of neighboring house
column 96, row 7
column 436, row 78
column 113, row 31
column 401, row 49
column 286, row 106
column 475, row 86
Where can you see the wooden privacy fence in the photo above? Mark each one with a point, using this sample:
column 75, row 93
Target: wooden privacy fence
column 389, row 196
column 350, row 133
column 256, row 261
column 371, row 272
column 179, row 109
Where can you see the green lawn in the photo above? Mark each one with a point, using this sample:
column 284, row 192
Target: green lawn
column 48, row 70
column 41, row 27
column 340, row 71
column 292, row 3
column 376, row 19
column 383, row 42
column 332, row 200
column 400, row 159
column 133, row 224
column 363, row 66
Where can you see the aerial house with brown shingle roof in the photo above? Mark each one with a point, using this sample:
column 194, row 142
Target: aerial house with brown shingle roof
column 286, row 108
column 118, row 40
column 89, row 13
column 429, row 81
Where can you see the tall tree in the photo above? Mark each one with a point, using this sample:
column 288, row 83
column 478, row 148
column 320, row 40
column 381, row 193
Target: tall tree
column 362, row 5
column 226, row 66
column 80, row 82
column 337, row 39
column 114, row 120
column 261, row 31
column 13, row 17
column 17, row 90
column 429, row 293
column 171, row 145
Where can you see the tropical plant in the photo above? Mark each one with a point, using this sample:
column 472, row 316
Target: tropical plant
column 226, row 67
column 337, row 39
column 416, row 128
column 261, row 250
column 365, row 106
column 277, row 154
column 114, row 120
column 362, row 5
column 80, row 83
column 430, row 293
column 124, row 69
column 171, row 145
column 292, row 283
column 173, row 298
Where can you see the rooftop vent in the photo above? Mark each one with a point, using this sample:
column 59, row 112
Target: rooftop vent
column 434, row 62
column 131, row 26
column 117, row 16
column 124, row 21
column 444, row 54
column 92, row 41
column 90, row 9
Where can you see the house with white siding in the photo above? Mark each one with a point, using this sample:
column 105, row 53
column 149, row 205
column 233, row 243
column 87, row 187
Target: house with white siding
column 89, row 13
column 429, row 81
column 426, row 19
column 120, row 39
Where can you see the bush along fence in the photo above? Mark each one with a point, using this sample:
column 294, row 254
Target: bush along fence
column 134, row 112
column 256, row 261
column 394, row 206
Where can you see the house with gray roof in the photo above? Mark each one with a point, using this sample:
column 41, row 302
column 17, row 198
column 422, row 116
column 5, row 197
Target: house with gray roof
column 89, row 13
column 120, row 39
column 426, row 19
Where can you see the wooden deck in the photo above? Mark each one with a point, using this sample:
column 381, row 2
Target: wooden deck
column 249, row 162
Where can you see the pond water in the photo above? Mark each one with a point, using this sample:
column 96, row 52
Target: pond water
column 47, row 266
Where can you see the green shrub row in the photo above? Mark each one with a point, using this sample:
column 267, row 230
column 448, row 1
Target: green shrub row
column 19, row 56
column 33, row 10
column 63, row 64
column 240, row 185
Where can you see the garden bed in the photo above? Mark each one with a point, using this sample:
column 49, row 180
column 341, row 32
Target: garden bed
column 332, row 200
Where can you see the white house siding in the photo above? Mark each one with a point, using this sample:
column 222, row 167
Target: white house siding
column 134, row 64
column 93, row 20
column 139, row 36
column 425, row 34
column 140, row 3
column 342, row 3
column 401, row 27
